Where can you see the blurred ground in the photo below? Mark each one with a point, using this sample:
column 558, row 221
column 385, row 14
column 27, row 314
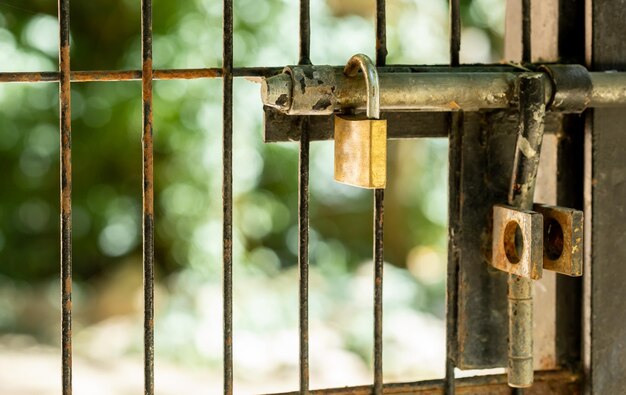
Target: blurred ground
column 108, row 352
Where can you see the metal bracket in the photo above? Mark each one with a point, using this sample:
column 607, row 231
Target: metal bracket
column 562, row 239
column 517, row 241
column 550, row 237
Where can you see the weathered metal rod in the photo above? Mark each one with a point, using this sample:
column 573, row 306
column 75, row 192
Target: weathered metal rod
column 319, row 90
column 521, row 193
column 608, row 89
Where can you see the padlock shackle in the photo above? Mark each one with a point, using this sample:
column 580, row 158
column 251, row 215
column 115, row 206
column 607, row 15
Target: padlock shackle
column 364, row 63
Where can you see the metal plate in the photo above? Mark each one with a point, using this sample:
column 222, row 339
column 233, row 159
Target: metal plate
column 517, row 246
column 279, row 127
column 485, row 171
column 606, row 199
column 562, row 239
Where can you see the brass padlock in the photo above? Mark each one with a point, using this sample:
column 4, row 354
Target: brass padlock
column 361, row 141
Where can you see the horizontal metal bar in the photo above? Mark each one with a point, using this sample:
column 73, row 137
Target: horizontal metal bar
column 135, row 75
column 321, row 90
column 609, row 89
column 281, row 127
column 212, row 72
column 546, row 382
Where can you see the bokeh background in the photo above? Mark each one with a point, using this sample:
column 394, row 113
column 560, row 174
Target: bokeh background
column 107, row 203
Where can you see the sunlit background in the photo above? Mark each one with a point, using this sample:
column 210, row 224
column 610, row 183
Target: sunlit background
column 106, row 135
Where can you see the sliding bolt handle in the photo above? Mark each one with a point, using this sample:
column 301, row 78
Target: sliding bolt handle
column 521, row 193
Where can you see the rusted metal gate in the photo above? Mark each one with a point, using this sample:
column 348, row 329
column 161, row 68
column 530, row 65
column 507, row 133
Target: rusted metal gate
column 589, row 338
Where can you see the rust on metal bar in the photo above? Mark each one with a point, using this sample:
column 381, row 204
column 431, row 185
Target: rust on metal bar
column 227, row 192
column 135, row 75
column 556, row 382
column 42, row 76
column 148, row 195
column 65, row 116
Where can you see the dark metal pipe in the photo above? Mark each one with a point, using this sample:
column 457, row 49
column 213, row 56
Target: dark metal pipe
column 227, row 193
column 305, row 32
column 379, row 217
column 455, row 32
column 303, row 255
column 454, row 172
column 455, row 153
column 379, row 260
column 526, row 32
column 303, row 209
column 381, row 33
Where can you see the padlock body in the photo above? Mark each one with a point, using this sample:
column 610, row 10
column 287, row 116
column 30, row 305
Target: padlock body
column 361, row 151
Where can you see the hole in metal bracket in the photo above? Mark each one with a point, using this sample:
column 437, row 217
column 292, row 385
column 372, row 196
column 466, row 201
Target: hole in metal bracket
column 513, row 242
column 553, row 239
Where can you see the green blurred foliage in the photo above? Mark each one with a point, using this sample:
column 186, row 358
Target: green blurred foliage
column 106, row 139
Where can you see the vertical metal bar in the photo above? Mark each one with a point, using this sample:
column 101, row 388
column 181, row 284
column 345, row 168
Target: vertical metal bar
column 303, row 255
column 379, row 198
column 381, row 33
column 148, row 196
column 521, row 193
column 570, row 184
column 454, row 229
column 66, row 193
column 455, row 144
column 227, row 193
column 605, row 211
column 526, row 32
column 455, row 32
column 520, row 289
column 303, row 209
column 305, row 32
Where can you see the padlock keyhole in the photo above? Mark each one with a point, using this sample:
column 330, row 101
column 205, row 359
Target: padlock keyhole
column 553, row 239
column 513, row 242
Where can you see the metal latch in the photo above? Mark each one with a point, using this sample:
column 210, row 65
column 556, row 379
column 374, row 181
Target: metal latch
column 524, row 241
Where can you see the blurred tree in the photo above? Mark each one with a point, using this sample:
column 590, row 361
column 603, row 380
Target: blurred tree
column 106, row 140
